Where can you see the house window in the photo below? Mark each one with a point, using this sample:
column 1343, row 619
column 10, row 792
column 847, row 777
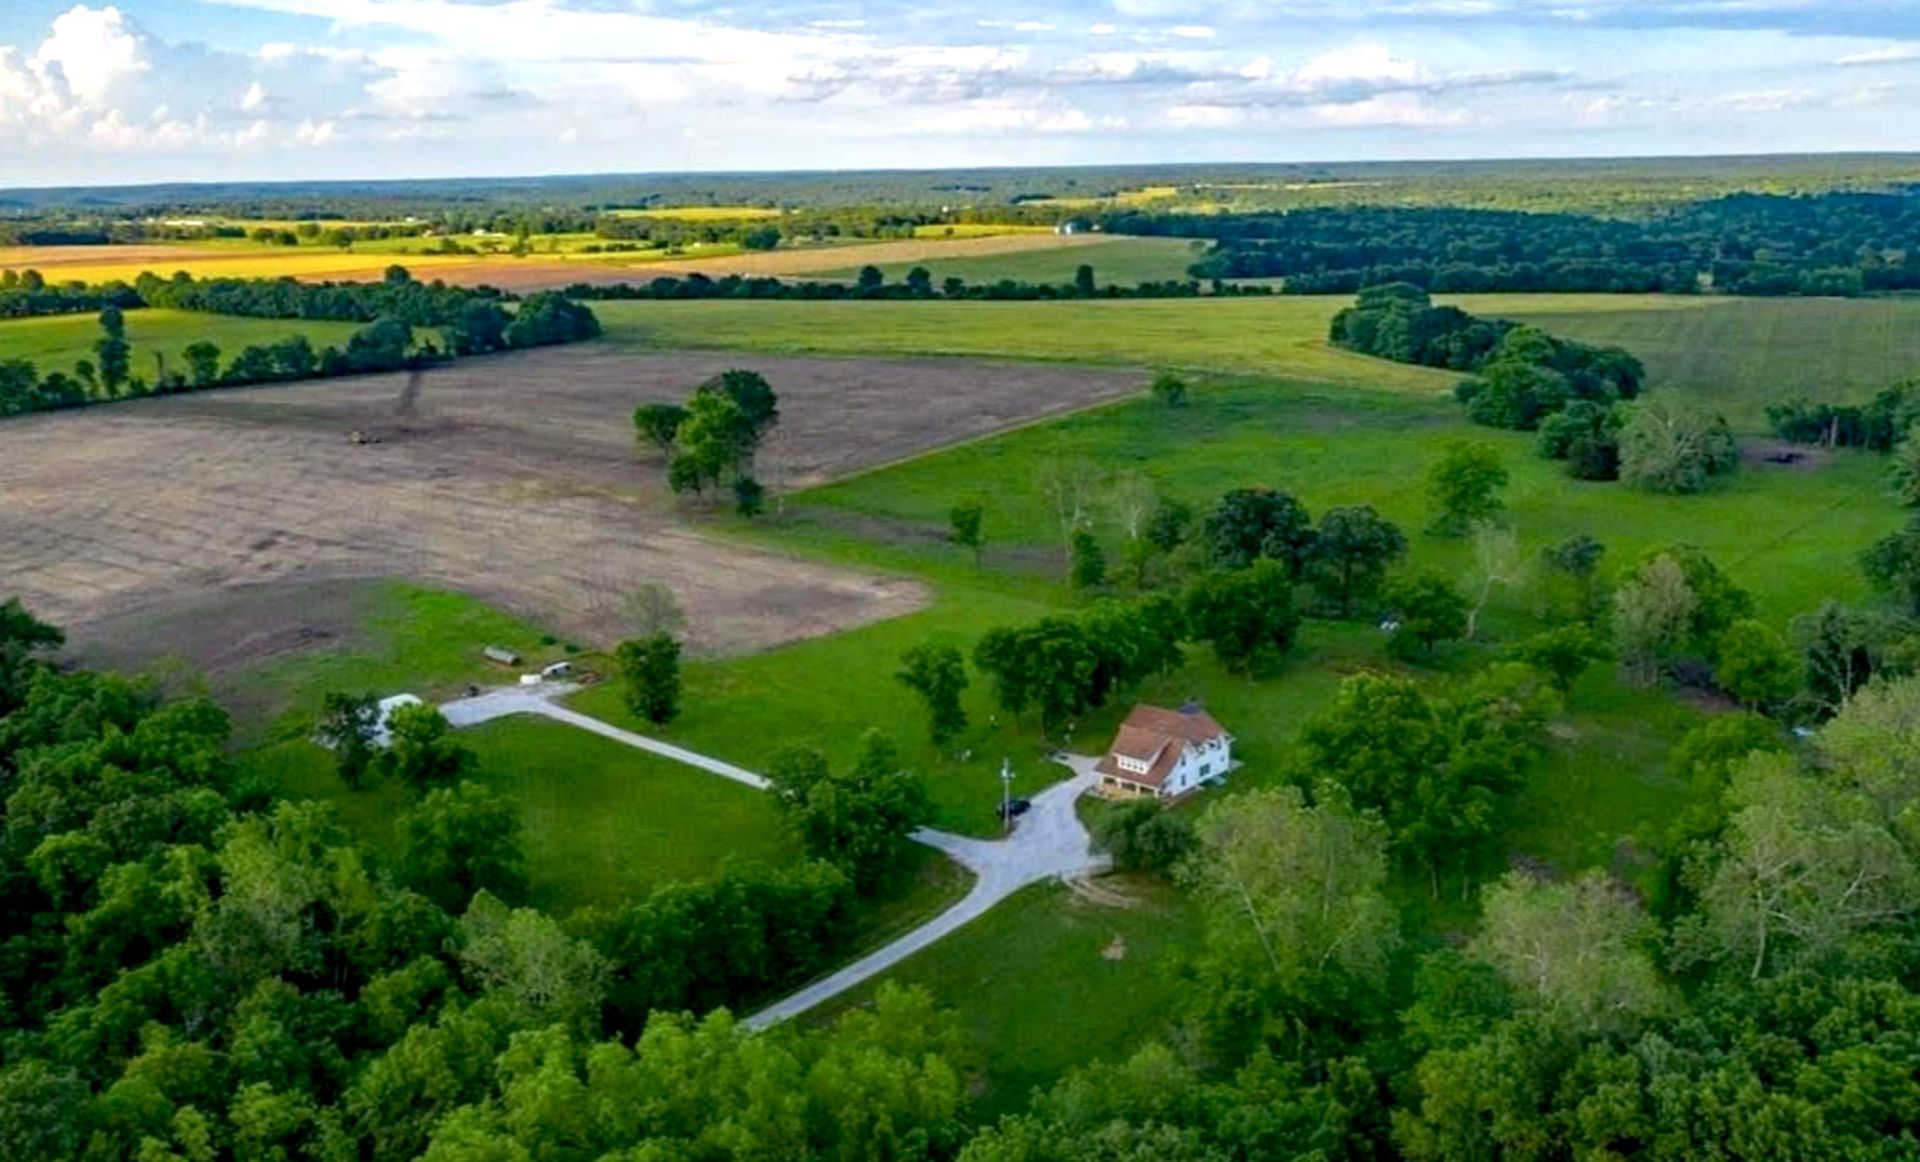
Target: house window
column 1206, row 769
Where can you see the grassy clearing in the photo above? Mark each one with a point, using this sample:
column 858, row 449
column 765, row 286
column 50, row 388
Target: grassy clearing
column 56, row 342
column 1739, row 354
column 400, row 637
column 1789, row 535
column 826, row 692
column 1124, row 262
column 1268, row 336
column 604, row 822
column 601, row 823
column 1048, row 981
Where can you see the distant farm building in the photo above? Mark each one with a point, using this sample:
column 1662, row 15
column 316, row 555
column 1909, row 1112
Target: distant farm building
column 502, row 655
column 1163, row 753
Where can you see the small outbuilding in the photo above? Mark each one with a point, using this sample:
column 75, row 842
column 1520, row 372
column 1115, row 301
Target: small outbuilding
column 501, row 655
column 381, row 736
column 1162, row 753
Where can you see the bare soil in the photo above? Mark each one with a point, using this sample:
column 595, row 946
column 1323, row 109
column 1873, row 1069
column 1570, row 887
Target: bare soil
column 515, row 478
column 1779, row 455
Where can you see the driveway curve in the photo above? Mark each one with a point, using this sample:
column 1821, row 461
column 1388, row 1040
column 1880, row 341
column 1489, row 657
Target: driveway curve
column 1048, row 842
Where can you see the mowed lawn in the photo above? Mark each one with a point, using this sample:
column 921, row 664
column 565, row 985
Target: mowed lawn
column 1048, row 981
column 1122, row 262
column 1738, row 354
column 604, row 822
column 601, row 823
column 1267, row 336
column 57, row 342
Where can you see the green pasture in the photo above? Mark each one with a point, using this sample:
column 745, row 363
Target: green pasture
column 393, row 637
column 57, row 342
column 1048, row 981
column 1267, row 336
column 1738, row 354
column 604, row 822
column 1122, row 262
column 1791, row 535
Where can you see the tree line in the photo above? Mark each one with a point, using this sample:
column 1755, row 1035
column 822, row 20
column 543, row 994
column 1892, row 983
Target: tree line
column 1840, row 243
column 918, row 284
column 481, row 326
column 195, row 968
column 1584, row 400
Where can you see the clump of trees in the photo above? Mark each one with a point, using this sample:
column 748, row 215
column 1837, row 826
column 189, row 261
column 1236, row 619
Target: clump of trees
column 1674, row 448
column 711, row 442
column 859, row 818
column 470, row 322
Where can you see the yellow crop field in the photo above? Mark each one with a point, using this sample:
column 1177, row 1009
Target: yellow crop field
column 106, row 263
column 703, row 213
column 976, row 230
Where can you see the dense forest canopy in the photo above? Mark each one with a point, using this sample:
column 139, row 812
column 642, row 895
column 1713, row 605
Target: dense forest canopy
column 1754, row 244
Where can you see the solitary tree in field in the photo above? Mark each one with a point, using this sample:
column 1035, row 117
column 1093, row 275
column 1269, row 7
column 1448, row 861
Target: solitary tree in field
column 1351, row 553
column 1464, row 487
column 1668, row 447
column 1253, row 523
column 650, row 669
column 965, row 519
column 1428, row 610
column 420, row 753
column 1088, row 568
column 1083, row 281
column 116, row 355
column 871, row 279
column 1246, row 615
column 939, row 675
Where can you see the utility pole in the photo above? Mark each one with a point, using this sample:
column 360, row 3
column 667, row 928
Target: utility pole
column 1006, row 795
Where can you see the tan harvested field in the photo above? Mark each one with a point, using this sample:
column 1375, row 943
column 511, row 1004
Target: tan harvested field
column 514, row 478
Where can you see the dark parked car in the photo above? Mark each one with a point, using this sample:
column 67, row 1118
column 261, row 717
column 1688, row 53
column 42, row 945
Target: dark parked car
column 1014, row 808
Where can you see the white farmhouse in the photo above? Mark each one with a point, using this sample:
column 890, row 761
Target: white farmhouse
column 1164, row 753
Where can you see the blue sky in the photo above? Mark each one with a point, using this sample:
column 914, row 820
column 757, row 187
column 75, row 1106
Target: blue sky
column 158, row 90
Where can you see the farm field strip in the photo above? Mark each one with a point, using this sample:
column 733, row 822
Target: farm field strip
column 1252, row 336
column 57, row 342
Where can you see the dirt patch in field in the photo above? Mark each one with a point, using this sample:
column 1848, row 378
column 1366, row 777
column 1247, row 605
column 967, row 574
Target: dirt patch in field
column 1778, row 455
column 514, row 478
column 48, row 259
